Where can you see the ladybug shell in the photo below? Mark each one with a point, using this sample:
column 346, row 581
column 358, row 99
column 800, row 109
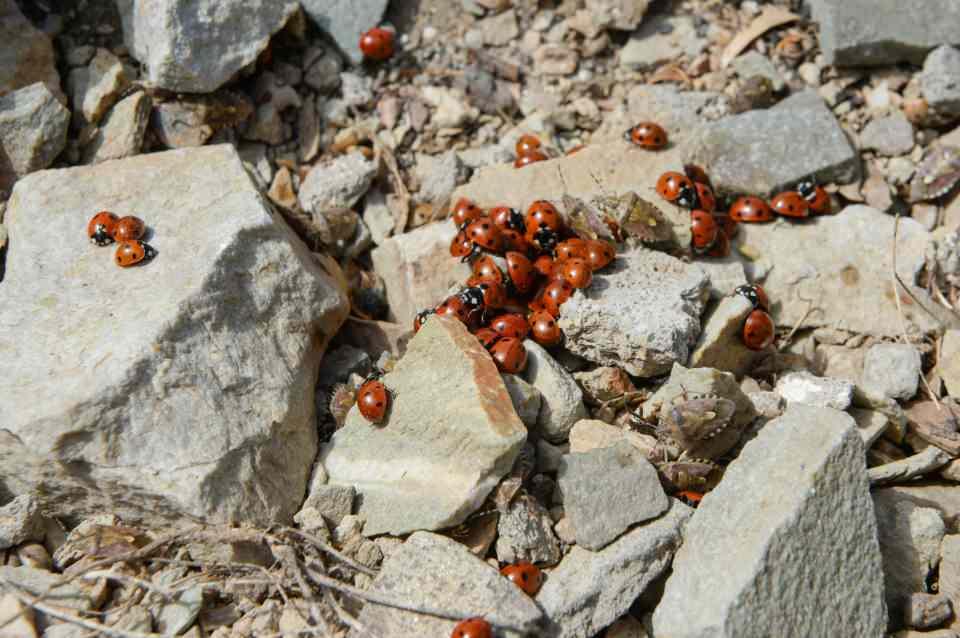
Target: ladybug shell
column 100, row 228
column 514, row 240
column 542, row 213
column 494, row 296
column 483, row 233
column 817, row 198
column 536, row 304
column 526, row 576
column 728, row 225
column 571, row 248
column 543, row 265
column 529, row 158
column 131, row 253
column 697, row 174
column 521, row 272
column 377, row 44
column 510, row 325
column 648, row 135
column 704, row 230
column 486, row 269
column 577, row 272
column 677, row 188
column 457, row 308
column 600, row 253
column 758, row 330
column 527, row 144
column 509, row 355
column 721, row 247
column 750, row 210
column 554, row 295
column 460, row 246
column 544, row 329
column 790, row 204
column 464, row 212
column 486, row 336
column 372, row 401
column 505, row 217
column 129, row 228
column 472, row 628
column 705, row 197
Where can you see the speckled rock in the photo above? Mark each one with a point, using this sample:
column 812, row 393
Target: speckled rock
column 721, row 340
column 94, row 88
column 33, row 132
column 892, row 370
column 122, row 132
column 525, row 533
column 339, row 183
column 940, row 81
column 891, row 135
column 562, row 399
column 809, row 389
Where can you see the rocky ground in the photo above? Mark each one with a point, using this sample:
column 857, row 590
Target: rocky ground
column 179, row 449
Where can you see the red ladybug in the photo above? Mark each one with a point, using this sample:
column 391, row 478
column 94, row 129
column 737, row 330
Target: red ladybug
column 542, row 213
column 529, row 158
column 505, row 218
column 484, row 234
column 705, row 197
column 514, row 240
column 756, row 295
column 472, row 628
column 460, row 245
column 486, row 336
column 509, row 355
column 648, row 135
column 758, row 330
column 524, row 575
column 543, row 265
column 377, row 44
column 510, row 325
column 817, row 198
column 790, row 204
column 704, row 230
column 728, row 225
column 131, row 253
column 576, row 272
column 721, row 247
column 570, row 249
column 100, row 228
column 521, row 272
column 372, row 400
column 129, row 228
column 554, row 295
column 697, row 174
column 750, row 210
column 421, row 318
column 600, row 253
column 486, row 269
column 457, row 308
column 494, row 296
column 677, row 188
column 536, row 304
column 527, row 144
column 464, row 212
column 544, row 329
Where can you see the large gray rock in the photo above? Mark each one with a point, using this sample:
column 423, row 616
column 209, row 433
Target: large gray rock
column 180, row 387
column 607, row 490
column 26, row 56
column 642, row 314
column 122, row 132
column 786, row 545
column 892, row 370
column 33, row 131
column 345, row 21
column 561, row 403
column 812, row 263
column 439, row 573
column 432, row 461
column 195, row 47
column 590, row 590
column 339, row 183
column 940, row 81
column 762, row 152
column 880, row 32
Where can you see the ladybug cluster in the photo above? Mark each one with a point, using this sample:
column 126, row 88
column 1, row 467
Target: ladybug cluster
column 710, row 230
column 524, row 575
column 758, row 329
column 807, row 199
column 529, row 151
column 105, row 228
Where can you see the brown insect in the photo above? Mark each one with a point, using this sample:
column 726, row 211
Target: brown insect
column 701, row 426
column 937, row 173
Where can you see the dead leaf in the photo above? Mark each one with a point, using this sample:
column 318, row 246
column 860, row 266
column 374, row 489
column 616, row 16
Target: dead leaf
column 584, row 219
column 770, row 18
column 637, row 217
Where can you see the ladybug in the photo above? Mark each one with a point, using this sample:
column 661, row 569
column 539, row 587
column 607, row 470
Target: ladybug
column 542, row 213
column 750, row 210
column 129, row 228
column 509, row 355
column 544, row 329
column 600, row 253
column 543, row 265
column 570, row 249
column 677, row 188
column 486, row 269
column 131, row 253
column 705, row 197
column 505, row 218
column 536, row 304
column 372, row 400
column 524, row 575
column 554, row 295
column 649, row 135
column 527, row 144
column 514, row 240
column 790, row 204
column 520, row 272
column 482, row 233
column 758, row 330
column 728, row 225
column 544, row 239
column 721, row 247
column 576, row 272
column 493, row 294
column 529, row 158
column 460, row 246
column 486, row 336
column 690, row 497
column 817, row 198
column 421, row 318
column 472, row 628
column 510, row 325
column 100, row 228
column 704, row 230
column 464, row 212
column 697, row 174
column 756, row 295
column 457, row 308
column 377, row 44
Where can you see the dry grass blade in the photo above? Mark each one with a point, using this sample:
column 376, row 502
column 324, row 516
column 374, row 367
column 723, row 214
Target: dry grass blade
column 324, row 547
column 770, row 18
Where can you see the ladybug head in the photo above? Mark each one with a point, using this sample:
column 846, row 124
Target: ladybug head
column 100, row 236
column 516, row 222
column 473, row 296
column 688, row 197
column 546, row 239
column 628, row 135
column 748, row 291
column 806, row 188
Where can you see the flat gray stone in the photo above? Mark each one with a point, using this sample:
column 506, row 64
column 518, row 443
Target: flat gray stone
column 27, row 55
column 661, row 38
column 229, row 324
column 794, row 507
column 890, row 136
column 721, row 343
column 177, row 616
column 892, row 370
column 122, row 132
column 562, row 399
column 590, row 590
column 642, row 313
column 333, row 502
column 430, row 463
column 196, row 47
column 809, row 389
column 765, row 151
column 20, row 522
column 339, row 183
column 881, row 32
column 753, row 64
column 526, row 399
column 940, row 81
column 345, row 21
column 438, row 175
column 77, row 595
column 439, row 573
column 591, row 434
column 525, row 533
column 33, row 132
column 607, row 490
